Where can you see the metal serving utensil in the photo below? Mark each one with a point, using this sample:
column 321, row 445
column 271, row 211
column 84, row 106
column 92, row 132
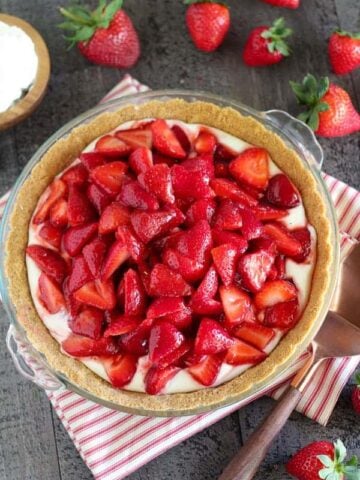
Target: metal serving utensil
column 339, row 336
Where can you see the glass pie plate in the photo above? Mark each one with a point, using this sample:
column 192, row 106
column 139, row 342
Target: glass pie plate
column 34, row 366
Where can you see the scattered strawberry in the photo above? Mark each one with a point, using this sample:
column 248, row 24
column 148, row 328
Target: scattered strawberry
column 284, row 3
column 330, row 111
column 281, row 192
column 189, row 184
column 105, row 36
column 266, row 45
column 236, row 304
column 286, row 243
column 80, row 346
column 120, row 325
column 205, row 143
column 203, row 163
column 157, row 378
column 116, row 256
column 136, row 138
column 228, row 216
column 109, row 177
column 49, row 261
column 75, row 238
column 133, row 245
column 50, row 294
column 79, row 209
column 99, row 294
column 133, row 195
column 323, row 459
column 88, row 322
column 273, row 292
column 141, row 160
column 203, row 209
column 257, row 335
column 222, row 236
column 225, row 258
column 157, row 180
column 282, row 315
column 225, row 188
column 92, row 160
column 241, row 353
column 208, row 23
column 167, row 283
column 112, row 217
column 182, row 138
column 207, row 370
column 264, row 211
column 59, row 213
column 254, row 269
column 165, row 338
column 251, row 227
column 76, row 175
column 121, row 370
column 98, row 197
column 136, row 341
column 52, row 235
column 251, row 167
column 148, row 225
column 202, row 301
column 55, row 191
column 344, row 51
column 134, row 294
column 303, row 236
column 79, row 275
column 355, row 396
column 165, row 140
column 211, row 338
column 190, row 269
column 172, row 310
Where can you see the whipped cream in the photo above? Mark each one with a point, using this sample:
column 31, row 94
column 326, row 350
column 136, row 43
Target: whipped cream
column 18, row 64
column 301, row 274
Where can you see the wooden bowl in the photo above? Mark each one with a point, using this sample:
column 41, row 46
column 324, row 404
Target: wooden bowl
column 27, row 104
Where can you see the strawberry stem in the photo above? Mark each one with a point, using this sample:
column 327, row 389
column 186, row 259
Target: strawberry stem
column 275, row 36
column 337, row 468
column 343, row 33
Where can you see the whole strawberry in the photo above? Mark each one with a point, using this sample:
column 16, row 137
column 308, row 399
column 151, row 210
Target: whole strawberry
column 105, row 36
column 355, row 396
column 284, row 3
column 266, row 46
column 344, row 51
column 330, row 112
column 208, row 23
column 323, row 460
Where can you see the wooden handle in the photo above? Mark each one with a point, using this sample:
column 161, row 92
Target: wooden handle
column 247, row 461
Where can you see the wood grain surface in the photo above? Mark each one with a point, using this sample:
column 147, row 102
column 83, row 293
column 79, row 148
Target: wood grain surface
column 33, row 443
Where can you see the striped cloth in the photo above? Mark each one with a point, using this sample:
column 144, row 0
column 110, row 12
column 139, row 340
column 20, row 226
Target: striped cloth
column 114, row 444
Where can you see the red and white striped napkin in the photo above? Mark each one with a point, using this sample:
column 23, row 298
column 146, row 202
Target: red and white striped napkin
column 114, row 444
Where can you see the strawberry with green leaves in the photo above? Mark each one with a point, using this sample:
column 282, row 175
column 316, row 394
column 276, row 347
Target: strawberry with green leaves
column 266, row 45
column 105, row 36
column 208, row 23
column 355, row 396
column 323, row 460
column 330, row 112
column 344, row 51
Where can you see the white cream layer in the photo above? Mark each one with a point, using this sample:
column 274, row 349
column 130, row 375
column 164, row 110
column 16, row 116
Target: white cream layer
column 301, row 274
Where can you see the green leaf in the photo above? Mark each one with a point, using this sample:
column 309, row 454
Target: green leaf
column 69, row 26
column 322, row 107
column 313, row 121
column 326, row 460
column 340, row 451
column 112, row 8
column 343, row 33
column 357, row 378
column 323, row 86
column 300, row 93
column 85, row 33
column 304, row 116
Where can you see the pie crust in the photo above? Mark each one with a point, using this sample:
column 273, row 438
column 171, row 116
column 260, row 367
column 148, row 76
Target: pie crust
column 61, row 154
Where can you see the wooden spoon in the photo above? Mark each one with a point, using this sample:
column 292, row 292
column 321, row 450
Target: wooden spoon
column 338, row 337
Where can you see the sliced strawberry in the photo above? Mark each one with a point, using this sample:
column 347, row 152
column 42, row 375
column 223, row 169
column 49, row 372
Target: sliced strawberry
column 251, row 167
column 225, row 188
column 183, row 139
column 157, row 378
column 79, row 209
column 52, row 194
column 72, row 305
column 136, row 341
column 134, row 294
column 281, row 192
column 122, row 324
column 159, row 158
column 205, row 142
column 50, row 294
column 92, row 160
column 303, row 236
column 122, row 370
column 225, row 259
column 75, row 238
column 110, row 177
column 165, row 140
column 80, row 274
column 52, row 235
column 116, row 256
column 157, row 181
column 94, row 254
column 59, row 213
column 98, row 197
column 221, row 168
column 203, row 209
column 241, row 353
column 251, row 226
column 111, row 146
column 263, row 211
column 181, row 320
column 196, row 242
column 277, row 270
column 80, row 346
column 133, row 195
column 112, row 217
column 136, row 138
column 191, row 270
column 203, row 164
column 222, row 236
column 76, row 175
column 286, row 243
column 141, row 160
column 207, row 370
column 255, row 334
column 211, row 338
column 134, row 246
column 189, row 184
column 223, row 154
column 89, row 322
column 167, row 283
column 282, row 315
column 149, row 225
column 237, row 305
column 164, row 339
column 202, row 301
column 228, row 216
column 97, row 294
column 165, row 307
column 206, row 306
column 273, row 292
column 49, row 261
column 254, row 269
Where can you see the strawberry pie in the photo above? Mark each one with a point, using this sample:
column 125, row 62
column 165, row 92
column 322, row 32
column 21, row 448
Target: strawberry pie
column 167, row 253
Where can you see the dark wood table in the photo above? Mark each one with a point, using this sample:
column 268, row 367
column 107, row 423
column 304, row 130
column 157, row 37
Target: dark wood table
column 33, row 443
